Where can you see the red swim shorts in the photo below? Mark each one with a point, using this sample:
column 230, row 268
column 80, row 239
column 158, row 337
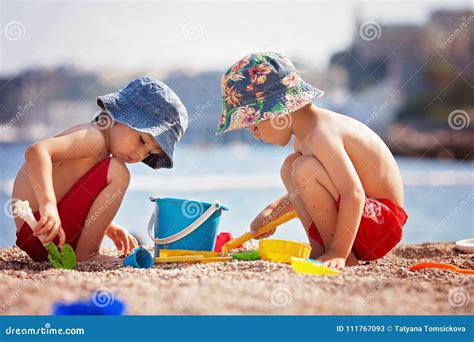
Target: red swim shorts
column 73, row 209
column 380, row 229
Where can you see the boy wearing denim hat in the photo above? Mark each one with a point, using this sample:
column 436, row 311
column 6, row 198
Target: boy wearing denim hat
column 76, row 180
column 342, row 180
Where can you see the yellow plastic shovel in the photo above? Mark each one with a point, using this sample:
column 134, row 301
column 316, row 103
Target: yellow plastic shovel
column 265, row 229
column 178, row 255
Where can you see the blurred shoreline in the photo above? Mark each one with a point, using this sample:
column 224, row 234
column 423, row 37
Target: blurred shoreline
column 440, row 142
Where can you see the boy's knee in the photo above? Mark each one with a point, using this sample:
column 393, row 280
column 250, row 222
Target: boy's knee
column 287, row 166
column 118, row 172
column 304, row 168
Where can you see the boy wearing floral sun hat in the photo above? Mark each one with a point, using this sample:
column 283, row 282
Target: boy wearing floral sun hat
column 341, row 179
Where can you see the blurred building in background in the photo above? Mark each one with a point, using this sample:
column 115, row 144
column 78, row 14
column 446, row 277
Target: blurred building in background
column 403, row 81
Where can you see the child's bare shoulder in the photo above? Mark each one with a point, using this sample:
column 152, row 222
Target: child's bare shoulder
column 350, row 144
column 79, row 141
column 84, row 128
column 337, row 128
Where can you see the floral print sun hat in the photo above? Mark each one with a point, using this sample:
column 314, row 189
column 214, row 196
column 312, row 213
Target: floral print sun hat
column 259, row 87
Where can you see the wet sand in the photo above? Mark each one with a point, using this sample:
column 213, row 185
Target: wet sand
column 256, row 287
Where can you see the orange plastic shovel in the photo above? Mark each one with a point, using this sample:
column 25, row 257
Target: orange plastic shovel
column 449, row 267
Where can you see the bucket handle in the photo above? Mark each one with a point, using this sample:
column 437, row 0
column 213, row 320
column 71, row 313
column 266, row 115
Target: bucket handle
column 186, row 231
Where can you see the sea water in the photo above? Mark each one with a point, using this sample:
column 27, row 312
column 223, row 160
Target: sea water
column 439, row 194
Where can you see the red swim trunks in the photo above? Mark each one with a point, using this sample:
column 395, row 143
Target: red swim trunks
column 73, row 209
column 380, row 229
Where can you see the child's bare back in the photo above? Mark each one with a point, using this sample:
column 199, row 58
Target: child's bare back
column 373, row 161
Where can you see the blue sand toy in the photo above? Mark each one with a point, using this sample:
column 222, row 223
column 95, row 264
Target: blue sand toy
column 113, row 307
column 139, row 258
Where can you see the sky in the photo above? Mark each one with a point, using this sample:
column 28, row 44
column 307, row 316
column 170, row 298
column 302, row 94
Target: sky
column 205, row 35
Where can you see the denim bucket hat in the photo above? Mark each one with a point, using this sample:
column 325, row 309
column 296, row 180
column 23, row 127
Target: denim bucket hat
column 149, row 106
column 261, row 86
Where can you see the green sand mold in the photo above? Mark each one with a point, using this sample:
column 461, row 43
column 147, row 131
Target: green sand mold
column 247, row 256
column 61, row 259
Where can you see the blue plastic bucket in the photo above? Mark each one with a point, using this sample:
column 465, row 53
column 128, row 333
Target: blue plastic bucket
column 184, row 224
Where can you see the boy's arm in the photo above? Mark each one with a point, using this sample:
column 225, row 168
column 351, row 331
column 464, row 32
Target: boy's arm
column 281, row 206
column 123, row 240
column 331, row 153
column 270, row 213
column 39, row 158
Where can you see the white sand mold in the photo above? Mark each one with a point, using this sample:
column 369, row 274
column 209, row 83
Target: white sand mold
column 466, row 245
column 22, row 210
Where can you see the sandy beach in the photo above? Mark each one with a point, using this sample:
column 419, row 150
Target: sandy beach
column 257, row 287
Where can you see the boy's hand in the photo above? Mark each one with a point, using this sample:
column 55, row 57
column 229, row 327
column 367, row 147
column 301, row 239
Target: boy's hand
column 50, row 224
column 262, row 219
column 123, row 240
column 332, row 261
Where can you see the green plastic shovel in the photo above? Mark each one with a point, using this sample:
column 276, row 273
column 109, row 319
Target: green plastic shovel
column 63, row 258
